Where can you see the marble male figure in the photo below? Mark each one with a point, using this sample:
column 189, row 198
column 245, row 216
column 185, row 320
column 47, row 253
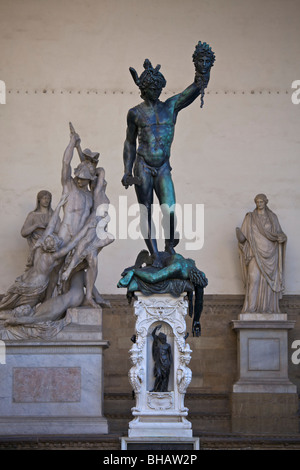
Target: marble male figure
column 63, row 267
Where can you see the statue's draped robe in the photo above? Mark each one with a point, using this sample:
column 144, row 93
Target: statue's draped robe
column 262, row 259
column 23, row 293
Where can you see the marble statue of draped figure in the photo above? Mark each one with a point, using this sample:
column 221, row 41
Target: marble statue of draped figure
column 262, row 246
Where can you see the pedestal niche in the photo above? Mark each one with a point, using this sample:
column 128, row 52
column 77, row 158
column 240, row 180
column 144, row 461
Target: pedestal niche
column 263, row 399
column 52, row 382
column 160, row 417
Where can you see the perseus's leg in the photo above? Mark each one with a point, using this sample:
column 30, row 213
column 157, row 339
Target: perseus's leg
column 144, row 193
column 164, row 189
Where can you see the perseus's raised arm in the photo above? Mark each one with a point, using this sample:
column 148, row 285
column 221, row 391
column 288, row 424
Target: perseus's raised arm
column 184, row 99
column 203, row 59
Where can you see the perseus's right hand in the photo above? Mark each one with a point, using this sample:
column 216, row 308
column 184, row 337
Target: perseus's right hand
column 125, row 180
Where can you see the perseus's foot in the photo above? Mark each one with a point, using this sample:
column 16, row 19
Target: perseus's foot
column 170, row 250
column 157, row 262
column 169, row 246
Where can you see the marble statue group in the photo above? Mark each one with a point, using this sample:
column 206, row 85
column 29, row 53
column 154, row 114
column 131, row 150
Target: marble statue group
column 62, row 264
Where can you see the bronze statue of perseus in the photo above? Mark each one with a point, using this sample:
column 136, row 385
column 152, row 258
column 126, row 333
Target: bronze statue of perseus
column 152, row 124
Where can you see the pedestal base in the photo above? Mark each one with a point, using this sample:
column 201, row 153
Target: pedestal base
column 160, row 414
column 160, row 426
column 55, row 387
column 263, row 399
column 160, row 443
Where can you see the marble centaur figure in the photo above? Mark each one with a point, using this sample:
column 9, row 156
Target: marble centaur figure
column 146, row 156
column 62, row 267
column 262, row 246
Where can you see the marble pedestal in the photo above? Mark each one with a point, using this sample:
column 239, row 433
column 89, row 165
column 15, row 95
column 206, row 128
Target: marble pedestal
column 263, row 399
column 55, row 386
column 160, row 417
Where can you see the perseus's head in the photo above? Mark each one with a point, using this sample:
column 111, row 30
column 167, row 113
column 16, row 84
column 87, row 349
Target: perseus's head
column 151, row 82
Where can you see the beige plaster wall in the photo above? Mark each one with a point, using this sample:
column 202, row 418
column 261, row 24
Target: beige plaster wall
column 68, row 61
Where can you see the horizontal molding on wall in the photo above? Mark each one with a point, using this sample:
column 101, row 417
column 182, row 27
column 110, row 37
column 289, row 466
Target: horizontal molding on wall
column 292, row 302
column 83, row 91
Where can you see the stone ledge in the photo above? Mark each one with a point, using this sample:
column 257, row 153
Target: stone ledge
column 219, row 298
column 208, row 441
column 263, row 324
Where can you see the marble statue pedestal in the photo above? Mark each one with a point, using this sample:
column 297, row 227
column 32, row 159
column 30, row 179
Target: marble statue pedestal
column 160, row 417
column 263, row 399
column 55, row 386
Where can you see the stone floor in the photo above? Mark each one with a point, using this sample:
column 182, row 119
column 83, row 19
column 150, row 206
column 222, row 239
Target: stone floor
column 209, row 414
column 213, row 441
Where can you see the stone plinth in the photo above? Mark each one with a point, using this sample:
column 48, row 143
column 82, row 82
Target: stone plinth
column 160, row 443
column 55, row 386
column 160, row 414
column 263, row 395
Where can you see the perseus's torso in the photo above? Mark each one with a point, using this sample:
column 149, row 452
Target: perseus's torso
column 155, row 132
